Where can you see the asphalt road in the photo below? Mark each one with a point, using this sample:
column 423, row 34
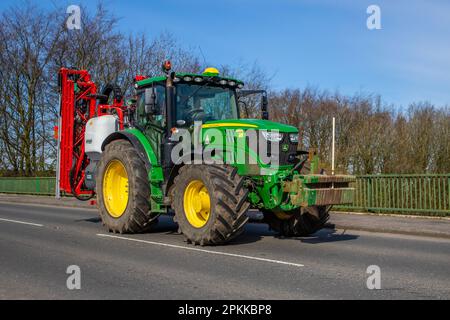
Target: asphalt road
column 38, row 243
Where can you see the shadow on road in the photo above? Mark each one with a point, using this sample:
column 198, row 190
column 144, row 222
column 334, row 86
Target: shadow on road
column 253, row 232
column 93, row 220
column 326, row 236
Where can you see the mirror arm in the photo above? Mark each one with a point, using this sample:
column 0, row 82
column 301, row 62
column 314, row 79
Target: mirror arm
column 264, row 107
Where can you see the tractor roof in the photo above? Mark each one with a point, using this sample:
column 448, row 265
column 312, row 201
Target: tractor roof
column 186, row 78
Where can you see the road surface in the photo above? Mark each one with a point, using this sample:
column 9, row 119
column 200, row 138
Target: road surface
column 38, row 243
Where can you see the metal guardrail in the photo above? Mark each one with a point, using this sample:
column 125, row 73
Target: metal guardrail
column 406, row 193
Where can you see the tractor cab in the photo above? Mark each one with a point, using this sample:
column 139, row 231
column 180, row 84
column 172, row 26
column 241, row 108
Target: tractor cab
column 177, row 101
column 184, row 98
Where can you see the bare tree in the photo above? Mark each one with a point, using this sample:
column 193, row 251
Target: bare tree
column 371, row 137
column 34, row 44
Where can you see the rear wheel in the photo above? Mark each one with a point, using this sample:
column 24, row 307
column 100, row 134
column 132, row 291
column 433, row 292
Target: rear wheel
column 210, row 203
column 299, row 223
column 123, row 191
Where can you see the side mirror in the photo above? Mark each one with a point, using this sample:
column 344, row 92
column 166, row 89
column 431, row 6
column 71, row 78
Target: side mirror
column 264, row 106
column 151, row 102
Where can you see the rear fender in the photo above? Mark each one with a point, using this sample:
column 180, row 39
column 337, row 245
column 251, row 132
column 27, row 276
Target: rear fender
column 124, row 135
column 148, row 156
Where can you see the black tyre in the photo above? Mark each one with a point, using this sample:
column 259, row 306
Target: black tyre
column 210, row 203
column 123, row 190
column 300, row 223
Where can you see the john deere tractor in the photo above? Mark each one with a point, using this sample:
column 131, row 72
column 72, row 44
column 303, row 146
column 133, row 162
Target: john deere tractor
column 128, row 160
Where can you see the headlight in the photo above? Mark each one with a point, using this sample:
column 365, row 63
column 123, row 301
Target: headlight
column 272, row 136
column 293, row 137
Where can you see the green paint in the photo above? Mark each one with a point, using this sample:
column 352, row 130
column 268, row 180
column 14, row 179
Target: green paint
column 161, row 79
column 247, row 124
column 238, row 153
column 155, row 176
column 314, row 164
column 275, row 187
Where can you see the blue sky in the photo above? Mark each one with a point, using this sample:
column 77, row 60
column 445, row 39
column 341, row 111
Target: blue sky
column 322, row 43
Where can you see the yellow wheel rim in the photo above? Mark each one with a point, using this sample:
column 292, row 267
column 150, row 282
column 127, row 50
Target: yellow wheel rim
column 115, row 188
column 197, row 203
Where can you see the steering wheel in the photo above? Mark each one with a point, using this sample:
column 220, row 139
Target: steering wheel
column 193, row 112
column 199, row 114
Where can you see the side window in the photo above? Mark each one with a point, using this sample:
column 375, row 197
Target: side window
column 140, row 108
column 142, row 118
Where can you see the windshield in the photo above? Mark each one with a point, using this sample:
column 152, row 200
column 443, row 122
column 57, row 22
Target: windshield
column 204, row 103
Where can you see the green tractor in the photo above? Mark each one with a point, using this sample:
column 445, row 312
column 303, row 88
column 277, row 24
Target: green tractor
column 136, row 178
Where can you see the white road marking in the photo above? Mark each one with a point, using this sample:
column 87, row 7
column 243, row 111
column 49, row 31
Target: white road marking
column 22, row 222
column 203, row 250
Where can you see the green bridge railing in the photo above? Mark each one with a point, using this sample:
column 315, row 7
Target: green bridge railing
column 406, row 193
column 21, row 185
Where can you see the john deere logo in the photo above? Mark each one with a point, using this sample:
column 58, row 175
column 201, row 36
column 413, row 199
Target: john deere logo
column 239, row 133
column 285, row 147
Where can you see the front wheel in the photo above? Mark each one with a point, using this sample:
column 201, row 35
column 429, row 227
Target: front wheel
column 301, row 222
column 210, row 203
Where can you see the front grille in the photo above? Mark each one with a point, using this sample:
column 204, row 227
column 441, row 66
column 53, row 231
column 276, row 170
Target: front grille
column 287, row 156
column 286, row 151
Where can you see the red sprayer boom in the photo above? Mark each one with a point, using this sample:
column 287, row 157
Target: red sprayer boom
column 78, row 104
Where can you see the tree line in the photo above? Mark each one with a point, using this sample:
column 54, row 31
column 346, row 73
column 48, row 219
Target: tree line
column 34, row 43
column 371, row 137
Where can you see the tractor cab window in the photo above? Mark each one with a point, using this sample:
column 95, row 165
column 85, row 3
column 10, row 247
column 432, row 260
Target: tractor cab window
column 142, row 118
column 204, row 103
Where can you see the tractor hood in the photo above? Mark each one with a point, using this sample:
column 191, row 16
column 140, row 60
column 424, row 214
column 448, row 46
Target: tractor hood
column 255, row 124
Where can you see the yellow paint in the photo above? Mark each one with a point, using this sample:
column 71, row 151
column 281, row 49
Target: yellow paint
column 211, row 71
column 115, row 188
column 224, row 124
column 197, row 204
column 239, row 133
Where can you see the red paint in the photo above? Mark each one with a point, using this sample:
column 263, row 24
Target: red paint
column 76, row 109
column 139, row 78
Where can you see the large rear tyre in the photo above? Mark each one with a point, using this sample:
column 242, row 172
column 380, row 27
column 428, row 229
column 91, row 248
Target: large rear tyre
column 300, row 223
column 210, row 204
column 123, row 190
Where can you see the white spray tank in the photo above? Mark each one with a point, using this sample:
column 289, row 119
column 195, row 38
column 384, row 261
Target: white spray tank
column 97, row 130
